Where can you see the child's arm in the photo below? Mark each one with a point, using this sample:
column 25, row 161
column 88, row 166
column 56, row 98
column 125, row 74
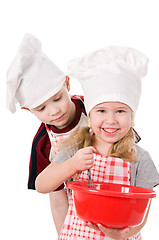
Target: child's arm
column 59, row 207
column 56, row 174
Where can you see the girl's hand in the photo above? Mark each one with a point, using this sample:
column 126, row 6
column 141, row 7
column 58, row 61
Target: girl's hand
column 83, row 159
column 110, row 232
column 114, row 232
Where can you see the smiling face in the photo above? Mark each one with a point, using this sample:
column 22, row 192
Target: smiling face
column 110, row 121
column 58, row 110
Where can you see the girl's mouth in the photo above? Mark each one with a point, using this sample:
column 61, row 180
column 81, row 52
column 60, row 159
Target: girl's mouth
column 110, row 131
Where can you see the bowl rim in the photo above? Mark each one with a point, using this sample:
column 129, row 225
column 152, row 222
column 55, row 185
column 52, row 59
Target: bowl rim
column 145, row 194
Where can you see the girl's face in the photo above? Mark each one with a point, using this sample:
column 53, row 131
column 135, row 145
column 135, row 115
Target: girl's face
column 58, row 110
column 110, row 121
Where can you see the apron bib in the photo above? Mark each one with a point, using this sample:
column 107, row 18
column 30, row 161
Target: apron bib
column 54, row 140
column 105, row 169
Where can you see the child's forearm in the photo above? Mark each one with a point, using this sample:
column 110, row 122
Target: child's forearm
column 54, row 175
column 138, row 228
column 59, row 207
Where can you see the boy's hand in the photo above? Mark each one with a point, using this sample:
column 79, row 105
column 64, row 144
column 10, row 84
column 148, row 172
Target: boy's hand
column 83, row 159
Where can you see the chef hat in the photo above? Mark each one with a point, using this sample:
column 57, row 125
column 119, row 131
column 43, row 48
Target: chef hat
column 32, row 77
column 110, row 74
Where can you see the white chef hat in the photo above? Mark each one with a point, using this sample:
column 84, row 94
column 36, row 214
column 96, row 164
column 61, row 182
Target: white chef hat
column 32, row 77
column 110, row 74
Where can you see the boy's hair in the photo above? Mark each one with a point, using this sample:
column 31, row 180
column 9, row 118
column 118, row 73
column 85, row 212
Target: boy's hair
column 124, row 148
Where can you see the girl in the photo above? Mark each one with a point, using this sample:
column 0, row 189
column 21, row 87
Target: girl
column 111, row 81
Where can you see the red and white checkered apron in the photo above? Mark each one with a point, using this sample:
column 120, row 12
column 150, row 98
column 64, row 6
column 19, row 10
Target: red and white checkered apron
column 54, row 140
column 105, row 169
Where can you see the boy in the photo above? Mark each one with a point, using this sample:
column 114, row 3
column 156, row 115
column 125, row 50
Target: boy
column 39, row 86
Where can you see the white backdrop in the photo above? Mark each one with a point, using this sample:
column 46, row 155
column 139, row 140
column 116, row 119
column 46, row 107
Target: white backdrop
column 68, row 29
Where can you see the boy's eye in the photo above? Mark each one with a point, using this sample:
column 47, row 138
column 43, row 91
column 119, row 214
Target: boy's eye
column 41, row 109
column 57, row 99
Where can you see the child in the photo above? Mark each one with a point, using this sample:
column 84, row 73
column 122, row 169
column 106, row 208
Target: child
column 111, row 81
column 39, row 86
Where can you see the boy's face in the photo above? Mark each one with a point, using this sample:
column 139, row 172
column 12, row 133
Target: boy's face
column 58, row 110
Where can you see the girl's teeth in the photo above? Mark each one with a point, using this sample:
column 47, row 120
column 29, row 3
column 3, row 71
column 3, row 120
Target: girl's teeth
column 110, row 130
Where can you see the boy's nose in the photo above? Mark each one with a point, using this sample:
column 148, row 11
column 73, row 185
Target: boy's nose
column 52, row 111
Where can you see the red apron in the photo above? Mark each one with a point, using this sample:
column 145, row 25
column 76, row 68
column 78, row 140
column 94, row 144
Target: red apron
column 105, row 169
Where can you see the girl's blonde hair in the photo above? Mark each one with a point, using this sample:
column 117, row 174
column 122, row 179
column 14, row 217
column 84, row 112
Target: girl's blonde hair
column 124, row 148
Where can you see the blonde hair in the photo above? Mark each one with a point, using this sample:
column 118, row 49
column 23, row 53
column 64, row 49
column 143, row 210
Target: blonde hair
column 124, row 148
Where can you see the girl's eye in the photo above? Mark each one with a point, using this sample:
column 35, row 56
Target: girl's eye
column 101, row 111
column 120, row 111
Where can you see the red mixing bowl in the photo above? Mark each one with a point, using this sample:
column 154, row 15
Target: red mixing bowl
column 112, row 205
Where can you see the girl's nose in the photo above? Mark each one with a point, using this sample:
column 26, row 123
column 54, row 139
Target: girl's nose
column 110, row 118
